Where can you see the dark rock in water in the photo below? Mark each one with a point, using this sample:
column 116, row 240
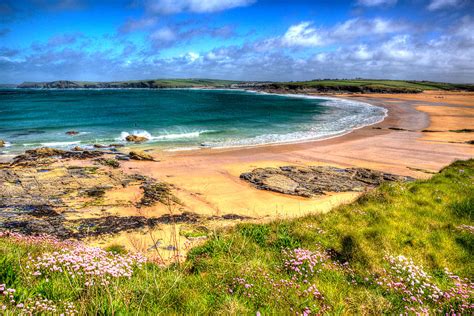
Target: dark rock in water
column 72, row 133
column 116, row 145
column 99, row 146
column 2, row 143
column 136, row 139
column 140, row 155
column 316, row 180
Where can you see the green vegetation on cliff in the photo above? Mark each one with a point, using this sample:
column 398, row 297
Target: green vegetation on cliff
column 371, row 86
column 153, row 84
column 404, row 247
column 323, row 86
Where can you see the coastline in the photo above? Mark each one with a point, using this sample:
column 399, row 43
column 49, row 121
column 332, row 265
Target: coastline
column 356, row 121
column 207, row 181
column 209, row 178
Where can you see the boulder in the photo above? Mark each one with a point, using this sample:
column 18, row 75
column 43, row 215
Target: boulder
column 100, row 146
column 2, row 143
column 136, row 139
column 140, row 155
column 116, row 145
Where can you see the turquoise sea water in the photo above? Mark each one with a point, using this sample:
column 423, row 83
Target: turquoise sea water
column 172, row 118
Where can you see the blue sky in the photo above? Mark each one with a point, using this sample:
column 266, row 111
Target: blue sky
column 43, row 40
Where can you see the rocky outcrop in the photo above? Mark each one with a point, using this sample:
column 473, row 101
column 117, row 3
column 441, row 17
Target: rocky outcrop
column 37, row 199
column 316, row 180
column 140, row 155
column 157, row 192
column 2, row 143
column 136, row 139
column 46, row 155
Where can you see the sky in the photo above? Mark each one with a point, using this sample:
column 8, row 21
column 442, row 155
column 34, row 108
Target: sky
column 264, row 40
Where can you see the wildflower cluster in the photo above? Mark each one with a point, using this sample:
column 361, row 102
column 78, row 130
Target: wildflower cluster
column 32, row 306
column 304, row 263
column 299, row 297
column 90, row 264
column 419, row 292
column 298, row 293
column 39, row 240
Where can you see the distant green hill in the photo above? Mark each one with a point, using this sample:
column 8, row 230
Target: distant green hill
column 323, row 86
column 153, row 84
column 370, row 86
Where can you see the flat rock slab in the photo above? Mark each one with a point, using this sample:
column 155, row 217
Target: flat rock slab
column 316, row 180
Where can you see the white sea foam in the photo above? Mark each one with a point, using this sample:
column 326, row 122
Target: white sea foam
column 166, row 136
column 335, row 124
column 60, row 144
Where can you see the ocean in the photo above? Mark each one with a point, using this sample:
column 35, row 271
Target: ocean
column 173, row 119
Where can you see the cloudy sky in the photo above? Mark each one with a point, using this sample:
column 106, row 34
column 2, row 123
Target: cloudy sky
column 43, row 40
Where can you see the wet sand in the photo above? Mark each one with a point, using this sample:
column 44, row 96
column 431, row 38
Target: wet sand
column 208, row 179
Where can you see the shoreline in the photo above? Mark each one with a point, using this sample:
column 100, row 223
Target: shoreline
column 154, row 145
column 207, row 171
column 208, row 182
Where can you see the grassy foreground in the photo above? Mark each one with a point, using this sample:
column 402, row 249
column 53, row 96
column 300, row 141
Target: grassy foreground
column 403, row 248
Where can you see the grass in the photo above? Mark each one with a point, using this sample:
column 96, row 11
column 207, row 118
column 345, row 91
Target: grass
column 343, row 85
column 350, row 260
column 366, row 85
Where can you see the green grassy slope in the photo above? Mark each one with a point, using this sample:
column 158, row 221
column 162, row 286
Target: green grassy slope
column 345, row 261
column 358, row 85
column 365, row 85
column 153, row 83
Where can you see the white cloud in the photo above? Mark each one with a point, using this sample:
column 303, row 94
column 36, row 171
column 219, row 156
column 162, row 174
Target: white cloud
column 440, row 4
column 374, row 3
column 196, row 6
column 133, row 25
column 303, row 35
column 361, row 27
column 398, row 48
column 362, row 53
column 192, row 57
column 164, row 34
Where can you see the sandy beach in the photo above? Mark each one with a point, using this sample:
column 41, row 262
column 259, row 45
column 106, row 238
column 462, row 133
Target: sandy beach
column 207, row 180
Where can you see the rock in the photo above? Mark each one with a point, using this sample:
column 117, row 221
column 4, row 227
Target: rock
column 135, row 139
column 154, row 192
column 72, row 133
column 2, row 143
column 140, row 155
column 122, row 157
column 40, row 156
column 110, row 162
column 116, row 145
column 316, row 180
column 77, row 148
column 99, row 146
